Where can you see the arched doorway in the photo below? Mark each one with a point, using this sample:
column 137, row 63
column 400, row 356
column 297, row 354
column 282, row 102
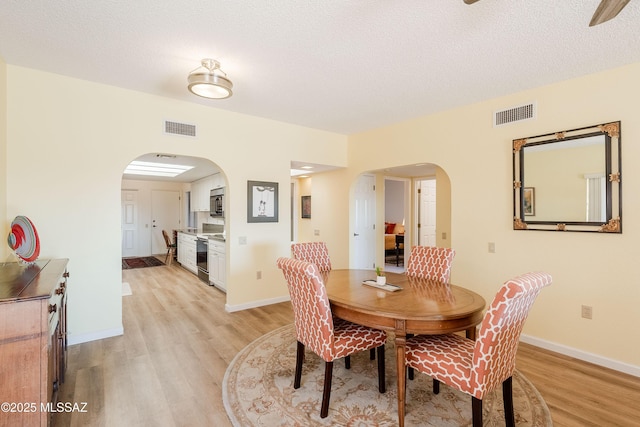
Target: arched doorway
column 158, row 193
column 404, row 181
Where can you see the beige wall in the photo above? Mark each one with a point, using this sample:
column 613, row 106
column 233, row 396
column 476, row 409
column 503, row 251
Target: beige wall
column 305, row 225
column 591, row 269
column 56, row 124
column 68, row 144
column 4, row 228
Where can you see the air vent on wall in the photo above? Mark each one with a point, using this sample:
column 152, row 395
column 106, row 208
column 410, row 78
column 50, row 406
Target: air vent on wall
column 515, row 114
column 176, row 128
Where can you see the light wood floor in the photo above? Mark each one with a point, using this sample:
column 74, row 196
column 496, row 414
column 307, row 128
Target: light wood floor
column 167, row 368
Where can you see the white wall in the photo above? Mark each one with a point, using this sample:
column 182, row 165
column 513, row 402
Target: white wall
column 68, row 144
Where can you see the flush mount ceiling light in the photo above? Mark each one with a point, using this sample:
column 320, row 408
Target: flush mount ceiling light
column 209, row 81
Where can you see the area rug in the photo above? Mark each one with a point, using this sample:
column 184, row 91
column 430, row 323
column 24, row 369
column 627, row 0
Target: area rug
column 147, row 261
column 257, row 390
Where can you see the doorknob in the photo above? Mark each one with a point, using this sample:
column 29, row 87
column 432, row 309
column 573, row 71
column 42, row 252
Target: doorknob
column 355, row 234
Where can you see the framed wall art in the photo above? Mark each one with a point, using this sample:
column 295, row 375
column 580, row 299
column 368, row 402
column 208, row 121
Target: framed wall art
column 306, row 206
column 529, row 200
column 262, row 201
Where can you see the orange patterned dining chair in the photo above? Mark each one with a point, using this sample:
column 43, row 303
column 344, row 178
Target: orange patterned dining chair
column 430, row 262
column 315, row 327
column 317, row 253
column 314, row 252
column 479, row 367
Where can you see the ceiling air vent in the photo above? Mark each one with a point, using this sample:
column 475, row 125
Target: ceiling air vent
column 176, row 128
column 515, row 114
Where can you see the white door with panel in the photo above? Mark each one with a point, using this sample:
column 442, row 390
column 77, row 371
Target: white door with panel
column 364, row 238
column 129, row 225
column 427, row 212
column 165, row 215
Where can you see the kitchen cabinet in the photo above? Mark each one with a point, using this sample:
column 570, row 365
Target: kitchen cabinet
column 187, row 255
column 217, row 264
column 33, row 340
column 201, row 191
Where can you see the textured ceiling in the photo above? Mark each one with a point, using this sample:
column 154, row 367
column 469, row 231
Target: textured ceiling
column 336, row 65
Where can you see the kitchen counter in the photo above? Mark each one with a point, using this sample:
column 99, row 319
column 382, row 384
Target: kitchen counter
column 198, row 232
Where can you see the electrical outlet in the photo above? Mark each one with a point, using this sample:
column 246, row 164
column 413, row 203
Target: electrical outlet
column 587, row 312
column 258, row 275
column 316, row 232
column 444, row 235
column 242, row 240
column 492, row 248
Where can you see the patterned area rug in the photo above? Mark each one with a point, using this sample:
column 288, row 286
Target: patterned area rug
column 147, row 261
column 258, row 391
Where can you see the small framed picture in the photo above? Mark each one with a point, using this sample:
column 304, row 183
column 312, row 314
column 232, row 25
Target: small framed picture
column 529, row 201
column 262, row 201
column 306, row 206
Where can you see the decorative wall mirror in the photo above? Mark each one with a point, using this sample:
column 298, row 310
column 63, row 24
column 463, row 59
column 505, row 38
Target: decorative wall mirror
column 569, row 180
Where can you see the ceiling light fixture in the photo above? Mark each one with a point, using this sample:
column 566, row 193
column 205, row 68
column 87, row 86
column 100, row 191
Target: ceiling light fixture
column 209, row 81
column 137, row 167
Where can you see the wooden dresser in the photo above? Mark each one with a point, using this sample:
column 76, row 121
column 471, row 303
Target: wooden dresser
column 33, row 340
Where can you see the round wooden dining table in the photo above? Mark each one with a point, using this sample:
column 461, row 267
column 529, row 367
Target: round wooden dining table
column 419, row 306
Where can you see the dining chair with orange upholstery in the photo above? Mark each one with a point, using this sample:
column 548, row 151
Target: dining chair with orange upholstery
column 316, row 329
column 314, row 252
column 430, row 262
column 479, row 367
column 317, row 253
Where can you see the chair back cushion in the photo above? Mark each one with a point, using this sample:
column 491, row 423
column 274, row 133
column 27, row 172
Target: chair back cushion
column 311, row 310
column 430, row 262
column 495, row 349
column 313, row 252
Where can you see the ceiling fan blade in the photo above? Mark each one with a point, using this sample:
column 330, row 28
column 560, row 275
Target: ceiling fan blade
column 470, row 1
column 607, row 9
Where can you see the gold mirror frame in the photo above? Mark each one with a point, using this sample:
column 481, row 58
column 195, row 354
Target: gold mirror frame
column 524, row 216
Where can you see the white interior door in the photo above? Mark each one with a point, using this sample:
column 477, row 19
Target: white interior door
column 165, row 215
column 129, row 207
column 364, row 255
column 427, row 214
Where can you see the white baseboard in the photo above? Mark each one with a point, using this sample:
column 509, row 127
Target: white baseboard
column 93, row 336
column 583, row 355
column 254, row 304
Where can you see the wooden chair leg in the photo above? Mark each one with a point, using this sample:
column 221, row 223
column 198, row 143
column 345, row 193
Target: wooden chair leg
column 381, row 375
column 476, row 409
column 507, row 397
column 372, row 354
column 347, row 362
column 436, row 386
column 326, row 394
column 410, row 370
column 299, row 359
